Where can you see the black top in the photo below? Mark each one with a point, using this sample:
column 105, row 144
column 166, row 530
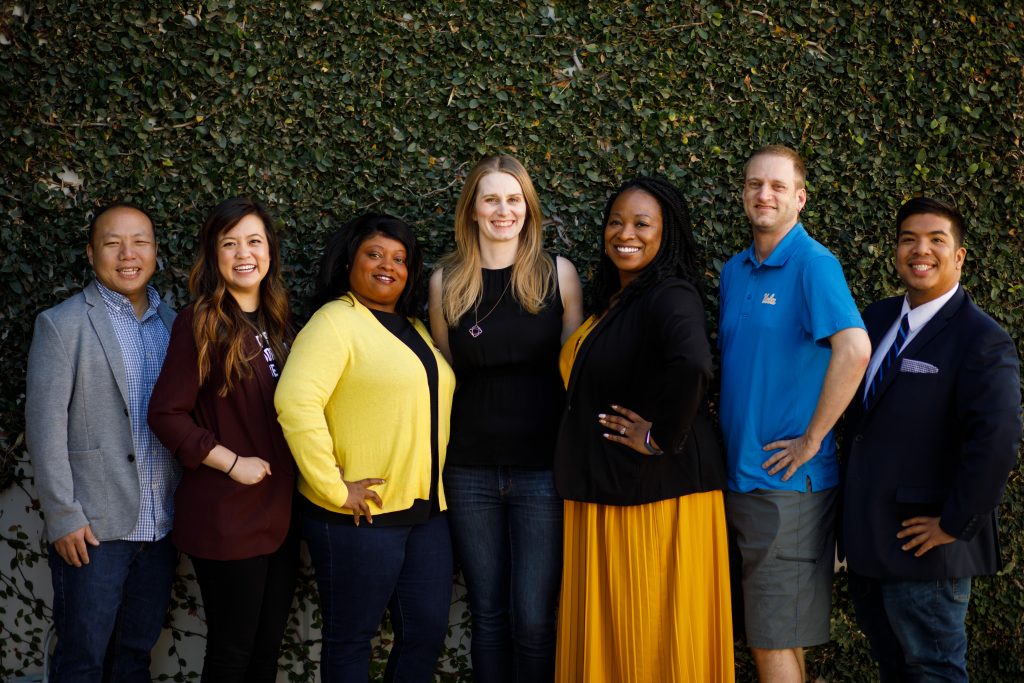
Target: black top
column 509, row 394
column 421, row 510
column 263, row 339
column 650, row 355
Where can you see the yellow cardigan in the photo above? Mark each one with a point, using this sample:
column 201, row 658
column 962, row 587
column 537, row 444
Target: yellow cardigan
column 355, row 397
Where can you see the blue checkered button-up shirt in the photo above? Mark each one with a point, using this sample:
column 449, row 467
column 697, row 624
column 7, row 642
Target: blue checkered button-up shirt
column 143, row 347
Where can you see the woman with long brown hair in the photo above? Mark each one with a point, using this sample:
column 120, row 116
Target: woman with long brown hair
column 213, row 408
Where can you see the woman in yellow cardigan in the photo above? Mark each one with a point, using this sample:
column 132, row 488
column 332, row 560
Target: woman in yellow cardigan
column 364, row 403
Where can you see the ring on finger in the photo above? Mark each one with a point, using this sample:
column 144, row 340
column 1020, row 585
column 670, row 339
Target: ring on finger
column 622, row 431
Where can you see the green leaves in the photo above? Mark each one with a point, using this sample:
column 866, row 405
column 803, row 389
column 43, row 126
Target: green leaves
column 329, row 109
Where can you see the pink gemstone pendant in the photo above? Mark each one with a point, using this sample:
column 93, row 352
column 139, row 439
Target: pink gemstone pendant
column 475, row 331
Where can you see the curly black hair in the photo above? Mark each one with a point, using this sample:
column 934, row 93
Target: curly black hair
column 678, row 256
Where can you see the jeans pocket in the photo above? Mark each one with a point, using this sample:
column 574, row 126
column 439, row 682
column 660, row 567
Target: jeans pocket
column 961, row 589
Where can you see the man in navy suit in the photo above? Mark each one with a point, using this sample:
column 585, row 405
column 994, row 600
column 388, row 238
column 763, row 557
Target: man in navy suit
column 930, row 440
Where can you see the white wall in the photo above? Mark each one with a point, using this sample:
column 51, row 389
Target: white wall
column 19, row 586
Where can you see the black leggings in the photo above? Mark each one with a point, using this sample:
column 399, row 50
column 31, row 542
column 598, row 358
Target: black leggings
column 247, row 603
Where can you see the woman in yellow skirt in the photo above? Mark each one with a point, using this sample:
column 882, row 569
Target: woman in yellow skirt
column 645, row 587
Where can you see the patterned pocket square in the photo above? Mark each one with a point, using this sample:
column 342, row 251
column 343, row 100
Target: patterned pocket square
column 918, row 366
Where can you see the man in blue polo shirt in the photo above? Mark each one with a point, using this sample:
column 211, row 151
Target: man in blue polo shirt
column 794, row 350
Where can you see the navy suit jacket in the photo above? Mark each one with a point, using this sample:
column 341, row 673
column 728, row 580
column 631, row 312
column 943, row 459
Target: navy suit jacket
column 939, row 439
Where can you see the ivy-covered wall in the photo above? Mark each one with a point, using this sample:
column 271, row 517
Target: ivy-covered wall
column 326, row 109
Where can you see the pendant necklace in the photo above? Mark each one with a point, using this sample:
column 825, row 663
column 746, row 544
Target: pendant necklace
column 476, row 330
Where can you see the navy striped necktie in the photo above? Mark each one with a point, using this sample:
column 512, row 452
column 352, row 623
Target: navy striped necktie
column 890, row 358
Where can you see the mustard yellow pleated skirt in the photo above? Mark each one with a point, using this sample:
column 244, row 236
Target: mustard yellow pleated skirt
column 645, row 593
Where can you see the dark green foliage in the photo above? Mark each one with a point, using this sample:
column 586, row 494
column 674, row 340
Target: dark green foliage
column 384, row 106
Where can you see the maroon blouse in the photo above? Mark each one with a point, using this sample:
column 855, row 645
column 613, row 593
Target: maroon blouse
column 215, row 517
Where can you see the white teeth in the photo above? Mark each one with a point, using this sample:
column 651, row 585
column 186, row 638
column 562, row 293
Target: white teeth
column 385, row 278
column 128, row 271
column 920, row 267
column 627, row 250
column 245, row 269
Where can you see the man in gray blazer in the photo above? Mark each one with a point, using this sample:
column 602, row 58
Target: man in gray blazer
column 106, row 485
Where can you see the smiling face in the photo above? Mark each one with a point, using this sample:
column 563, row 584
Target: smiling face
column 123, row 254
column 773, row 194
column 928, row 258
column 243, row 259
column 379, row 272
column 632, row 235
column 499, row 208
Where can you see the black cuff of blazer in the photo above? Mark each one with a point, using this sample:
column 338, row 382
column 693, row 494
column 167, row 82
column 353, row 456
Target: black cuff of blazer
column 966, row 530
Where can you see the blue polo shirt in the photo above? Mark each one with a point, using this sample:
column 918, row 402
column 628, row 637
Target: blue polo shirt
column 775, row 321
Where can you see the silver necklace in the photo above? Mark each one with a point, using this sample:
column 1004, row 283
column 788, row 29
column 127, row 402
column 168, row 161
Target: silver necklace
column 476, row 330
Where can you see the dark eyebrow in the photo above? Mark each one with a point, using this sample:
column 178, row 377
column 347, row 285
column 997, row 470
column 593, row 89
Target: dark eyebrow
column 932, row 233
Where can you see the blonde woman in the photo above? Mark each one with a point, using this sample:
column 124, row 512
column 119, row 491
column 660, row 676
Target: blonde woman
column 500, row 307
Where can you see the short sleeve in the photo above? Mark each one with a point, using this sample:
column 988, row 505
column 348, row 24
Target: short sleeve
column 829, row 306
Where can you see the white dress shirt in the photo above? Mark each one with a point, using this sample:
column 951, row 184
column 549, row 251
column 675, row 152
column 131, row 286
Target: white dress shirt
column 917, row 318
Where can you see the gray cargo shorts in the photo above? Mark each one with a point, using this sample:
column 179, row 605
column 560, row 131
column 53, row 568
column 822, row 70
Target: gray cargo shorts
column 786, row 541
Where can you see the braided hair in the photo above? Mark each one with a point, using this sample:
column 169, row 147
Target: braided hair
column 678, row 256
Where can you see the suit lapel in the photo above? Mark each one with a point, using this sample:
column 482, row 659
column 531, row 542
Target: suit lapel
column 167, row 315
column 936, row 324
column 920, row 340
column 104, row 329
column 587, row 344
column 878, row 324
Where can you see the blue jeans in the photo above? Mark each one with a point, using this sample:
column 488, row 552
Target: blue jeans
column 109, row 613
column 507, row 530
column 915, row 628
column 362, row 570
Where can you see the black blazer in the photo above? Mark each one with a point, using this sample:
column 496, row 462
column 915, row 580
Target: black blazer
column 939, row 439
column 652, row 356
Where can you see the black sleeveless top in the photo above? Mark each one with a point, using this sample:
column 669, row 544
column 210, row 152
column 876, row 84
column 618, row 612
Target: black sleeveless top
column 509, row 398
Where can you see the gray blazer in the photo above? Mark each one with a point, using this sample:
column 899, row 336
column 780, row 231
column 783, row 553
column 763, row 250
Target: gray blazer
column 77, row 429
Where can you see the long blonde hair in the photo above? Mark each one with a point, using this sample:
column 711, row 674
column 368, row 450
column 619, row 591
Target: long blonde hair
column 533, row 273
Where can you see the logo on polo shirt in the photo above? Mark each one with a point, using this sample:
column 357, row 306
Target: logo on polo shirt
column 768, row 298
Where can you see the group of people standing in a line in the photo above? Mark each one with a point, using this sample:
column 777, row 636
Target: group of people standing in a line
column 571, row 466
